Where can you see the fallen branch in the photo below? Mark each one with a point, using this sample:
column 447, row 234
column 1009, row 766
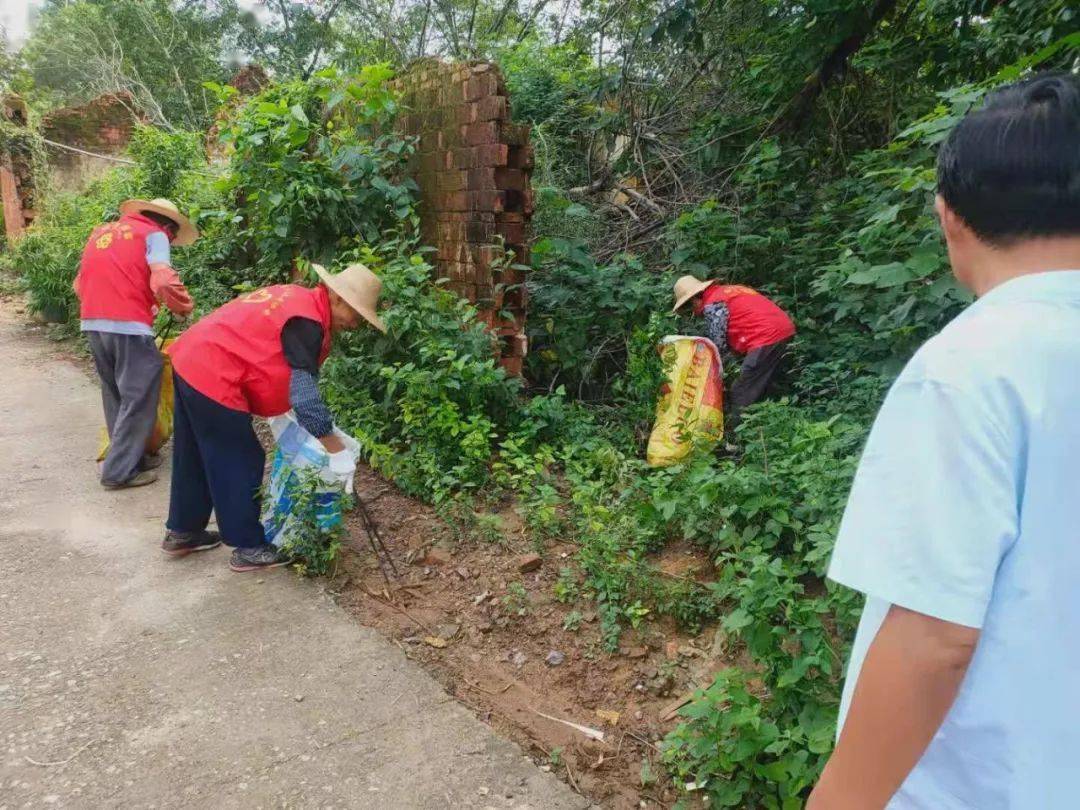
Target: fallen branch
column 401, row 610
column 670, row 712
column 480, row 688
column 596, row 185
column 382, row 554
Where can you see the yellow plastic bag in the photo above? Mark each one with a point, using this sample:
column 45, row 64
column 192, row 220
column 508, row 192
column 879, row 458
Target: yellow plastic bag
column 163, row 424
column 691, row 406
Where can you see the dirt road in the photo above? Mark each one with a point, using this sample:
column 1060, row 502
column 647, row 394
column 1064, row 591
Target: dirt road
column 129, row 679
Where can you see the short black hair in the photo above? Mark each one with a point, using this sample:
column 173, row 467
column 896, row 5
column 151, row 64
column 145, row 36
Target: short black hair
column 1011, row 168
column 162, row 220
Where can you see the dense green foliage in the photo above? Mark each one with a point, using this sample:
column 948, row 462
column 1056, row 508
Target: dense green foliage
column 307, row 174
column 788, row 146
column 425, row 402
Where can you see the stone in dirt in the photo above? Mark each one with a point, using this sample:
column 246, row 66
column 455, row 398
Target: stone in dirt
column 436, row 556
column 661, row 684
column 554, row 658
column 519, row 658
column 530, row 562
column 608, row 716
column 475, row 637
column 634, row 652
column 447, row 631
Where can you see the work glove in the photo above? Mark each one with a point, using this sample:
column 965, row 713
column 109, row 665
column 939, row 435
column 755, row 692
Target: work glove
column 166, row 286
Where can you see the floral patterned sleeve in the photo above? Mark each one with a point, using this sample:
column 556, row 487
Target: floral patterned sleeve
column 716, row 321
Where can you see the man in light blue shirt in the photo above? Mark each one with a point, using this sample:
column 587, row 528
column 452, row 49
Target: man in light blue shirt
column 963, row 525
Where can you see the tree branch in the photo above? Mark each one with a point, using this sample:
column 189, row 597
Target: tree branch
column 798, row 109
column 322, row 40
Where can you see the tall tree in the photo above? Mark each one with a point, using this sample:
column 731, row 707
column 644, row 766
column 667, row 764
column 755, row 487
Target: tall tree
column 158, row 52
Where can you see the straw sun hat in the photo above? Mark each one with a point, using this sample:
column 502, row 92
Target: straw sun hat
column 686, row 288
column 359, row 288
column 187, row 232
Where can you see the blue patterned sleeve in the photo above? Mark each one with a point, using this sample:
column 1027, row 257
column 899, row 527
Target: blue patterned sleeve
column 716, row 323
column 311, row 411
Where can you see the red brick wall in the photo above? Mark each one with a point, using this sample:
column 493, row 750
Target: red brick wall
column 17, row 181
column 102, row 125
column 473, row 166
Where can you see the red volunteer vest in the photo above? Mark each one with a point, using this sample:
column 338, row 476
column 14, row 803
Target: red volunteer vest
column 234, row 354
column 114, row 277
column 753, row 320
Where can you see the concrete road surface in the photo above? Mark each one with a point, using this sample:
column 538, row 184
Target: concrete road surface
column 129, row 679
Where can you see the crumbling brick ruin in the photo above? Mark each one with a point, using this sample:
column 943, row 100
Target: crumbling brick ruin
column 473, row 166
column 17, row 187
column 103, row 126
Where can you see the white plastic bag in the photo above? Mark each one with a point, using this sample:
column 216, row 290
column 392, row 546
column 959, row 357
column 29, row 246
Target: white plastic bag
column 298, row 451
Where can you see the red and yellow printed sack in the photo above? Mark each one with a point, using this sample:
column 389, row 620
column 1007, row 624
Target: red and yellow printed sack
column 691, row 406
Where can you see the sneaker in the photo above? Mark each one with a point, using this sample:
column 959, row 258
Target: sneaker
column 257, row 558
column 140, row 479
column 180, row 544
column 151, row 462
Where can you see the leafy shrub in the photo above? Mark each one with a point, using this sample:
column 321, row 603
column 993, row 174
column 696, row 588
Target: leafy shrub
column 307, row 171
column 582, row 313
column 558, row 216
column 769, row 521
column 163, row 159
column 555, row 89
column 425, row 402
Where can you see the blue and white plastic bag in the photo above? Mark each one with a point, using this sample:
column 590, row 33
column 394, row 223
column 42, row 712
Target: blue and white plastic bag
column 299, row 454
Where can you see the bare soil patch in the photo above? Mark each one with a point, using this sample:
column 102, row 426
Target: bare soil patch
column 505, row 650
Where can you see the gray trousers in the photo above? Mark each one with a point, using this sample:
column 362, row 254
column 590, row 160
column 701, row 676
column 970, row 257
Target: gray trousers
column 757, row 373
column 129, row 367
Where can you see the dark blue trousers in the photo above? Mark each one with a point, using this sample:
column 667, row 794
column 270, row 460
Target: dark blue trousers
column 217, row 464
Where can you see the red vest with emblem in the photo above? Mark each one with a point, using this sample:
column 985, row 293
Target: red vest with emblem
column 753, row 320
column 234, row 354
column 114, row 277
